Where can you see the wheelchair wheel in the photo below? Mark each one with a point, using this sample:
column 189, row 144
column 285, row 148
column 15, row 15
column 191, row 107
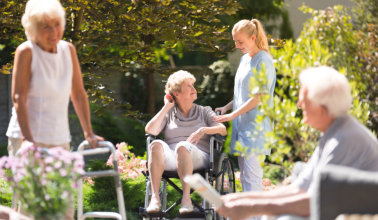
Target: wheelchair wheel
column 225, row 182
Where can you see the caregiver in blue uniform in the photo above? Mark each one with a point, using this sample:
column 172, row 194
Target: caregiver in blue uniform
column 250, row 39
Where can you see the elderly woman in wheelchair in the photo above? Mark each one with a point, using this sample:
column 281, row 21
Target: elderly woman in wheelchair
column 186, row 128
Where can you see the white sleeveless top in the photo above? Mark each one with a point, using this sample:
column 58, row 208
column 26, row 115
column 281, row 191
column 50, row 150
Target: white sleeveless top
column 48, row 96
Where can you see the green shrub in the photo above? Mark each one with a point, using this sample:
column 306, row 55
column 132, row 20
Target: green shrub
column 6, row 193
column 322, row 42
column 117, row 128
column 275, row 173
column 352, row 45
column 101, row 196
column 3, row 149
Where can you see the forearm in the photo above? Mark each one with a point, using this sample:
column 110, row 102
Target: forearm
column 81, row 106
column 247, row 106
column 293, row 205
column 23, row 119
column 280, row 192
column 219, row 129
column 229, row 106
column 154, row 125
column 242, row 208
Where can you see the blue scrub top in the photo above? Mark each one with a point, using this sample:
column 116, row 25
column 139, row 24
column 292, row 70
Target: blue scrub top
column 244, row 127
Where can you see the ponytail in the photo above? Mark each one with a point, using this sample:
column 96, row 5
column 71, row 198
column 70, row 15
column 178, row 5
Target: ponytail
column 253, row 27
column 261, row 39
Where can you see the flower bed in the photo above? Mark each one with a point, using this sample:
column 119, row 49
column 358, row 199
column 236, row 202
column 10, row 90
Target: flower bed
column 43, row 180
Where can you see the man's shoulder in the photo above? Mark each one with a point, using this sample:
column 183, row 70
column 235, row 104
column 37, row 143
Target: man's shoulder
column 352, row 131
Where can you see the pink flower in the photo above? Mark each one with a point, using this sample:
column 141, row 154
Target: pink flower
column 49, row 169
column 64, row 195
column 49, row 159
column 79, row 170
column 237, row 176
column 133, row 175
column 129, row 166
column 63, row 172
column 89, row 180
column 43, row 182
column 38, row 155
column 266, row 182
column 75, row 185
column 58, row 165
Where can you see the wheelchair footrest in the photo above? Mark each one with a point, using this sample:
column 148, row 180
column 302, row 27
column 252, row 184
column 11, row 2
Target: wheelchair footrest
column 143, row 213
column 195, row 214
column 112, row 215
column 162, row 214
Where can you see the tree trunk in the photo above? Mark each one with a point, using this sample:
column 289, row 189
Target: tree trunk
column 150, row 91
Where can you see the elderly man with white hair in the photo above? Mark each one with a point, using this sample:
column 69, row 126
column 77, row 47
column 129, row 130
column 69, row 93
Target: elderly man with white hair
column 324, row 99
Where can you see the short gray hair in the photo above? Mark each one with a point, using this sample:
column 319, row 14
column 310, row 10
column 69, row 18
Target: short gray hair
column 38, row 10
column 327, row 87
column 176, row 79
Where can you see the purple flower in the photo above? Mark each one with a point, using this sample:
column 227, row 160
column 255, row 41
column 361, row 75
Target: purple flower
column 75, row 185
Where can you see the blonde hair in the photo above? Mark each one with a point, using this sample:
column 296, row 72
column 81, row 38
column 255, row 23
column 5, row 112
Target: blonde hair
column 37, row 11
column 253, row 27
column 176, row 79
column 327, row 87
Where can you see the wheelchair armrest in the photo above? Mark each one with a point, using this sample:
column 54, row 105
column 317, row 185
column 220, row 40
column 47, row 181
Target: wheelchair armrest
column 150, row 138
column 219, row 138
column 344, row 190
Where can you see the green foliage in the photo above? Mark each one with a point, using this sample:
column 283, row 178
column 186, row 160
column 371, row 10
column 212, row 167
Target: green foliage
column 102, row 195
column 3, row 149
column 264, row 11
column 6, row 193
column 329, row 38
column 290, row 140
column 366, row 19
column 217, row 86
column 352, row 47
column 122, row 36
column 117, row 128
column 286, row 31
column 275, row 173
column 366, row 13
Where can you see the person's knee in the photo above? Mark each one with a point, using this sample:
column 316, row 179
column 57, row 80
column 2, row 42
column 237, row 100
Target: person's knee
column 182, row 151
column 156, row 147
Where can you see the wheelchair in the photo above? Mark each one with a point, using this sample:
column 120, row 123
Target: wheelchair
column 220, row 175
